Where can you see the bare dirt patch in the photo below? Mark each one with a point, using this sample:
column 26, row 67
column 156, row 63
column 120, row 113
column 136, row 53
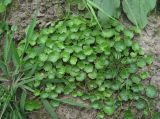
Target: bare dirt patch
column 22, row 12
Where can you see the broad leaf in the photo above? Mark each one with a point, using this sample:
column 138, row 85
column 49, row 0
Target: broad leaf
column 6, row 2
column 140, row 105
column 137, row 10
column 110, row 7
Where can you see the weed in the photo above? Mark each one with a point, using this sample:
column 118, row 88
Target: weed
column 14, row 78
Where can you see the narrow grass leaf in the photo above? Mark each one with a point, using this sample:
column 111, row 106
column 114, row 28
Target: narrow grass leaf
column 3, row 67
column 23, row 100
column 7, row 48
column 29, row 34
column 15, row 56
column 30, row 73
column 94, row 14
column 72, row 102
column 49, row 109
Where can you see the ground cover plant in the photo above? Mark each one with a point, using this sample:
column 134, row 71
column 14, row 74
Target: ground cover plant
column 74, row 57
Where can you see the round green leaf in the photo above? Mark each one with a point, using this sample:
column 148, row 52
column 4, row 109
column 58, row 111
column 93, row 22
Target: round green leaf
column 54, row 56
column 140, row 104
column 73, row 60
column 119, row 46
column 135, row 46
column 151, row 91
column 109, row 110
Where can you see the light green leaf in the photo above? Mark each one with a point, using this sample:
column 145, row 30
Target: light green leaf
column 81, row 76
column 88, row 68
column 2, row 7
column 128, row 34
column 73, row 60
column 119, row 46
column 135, row 46
column 32, row 105
column 54, row 56
column 109, row 33
column 93, row 75
column 149, row 59
column 65, row 56
column 135, row 79
column 109, row 110
column 140, row 104
column 141, row 63
column 100, row 115
column 144, row 75
column 151, row 91
column 6, row 2
column 124, row 95
column 43, row 57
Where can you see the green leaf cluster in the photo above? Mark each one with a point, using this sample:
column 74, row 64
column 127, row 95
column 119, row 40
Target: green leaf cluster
column 74, row 57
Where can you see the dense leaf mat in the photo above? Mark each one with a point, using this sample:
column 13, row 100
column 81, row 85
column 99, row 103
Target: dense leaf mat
column 74, row 57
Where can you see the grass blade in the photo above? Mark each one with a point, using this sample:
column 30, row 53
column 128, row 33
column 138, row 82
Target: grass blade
column 49, row 109
column 29, row 34
column 3, row 68
column 30, row 73
column 72, row 102
column 4, row 109
column 7, row 47
column 23, row 100
column 94, row 14
column 23, row 82
column 18, row 113
column 15, row 56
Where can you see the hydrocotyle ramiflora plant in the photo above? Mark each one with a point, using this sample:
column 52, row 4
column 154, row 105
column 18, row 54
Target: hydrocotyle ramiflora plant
column 74, row 57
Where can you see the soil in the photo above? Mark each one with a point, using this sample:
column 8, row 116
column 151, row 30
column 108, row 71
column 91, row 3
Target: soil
column 21, row 13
